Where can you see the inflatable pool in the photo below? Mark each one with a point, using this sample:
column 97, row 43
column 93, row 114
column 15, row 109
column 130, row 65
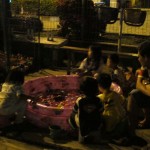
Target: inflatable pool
column 56, row 96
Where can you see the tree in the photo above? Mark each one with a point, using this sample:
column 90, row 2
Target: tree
column 44, row 7
column 48, row 7
column 17, row 6
column 78, row 20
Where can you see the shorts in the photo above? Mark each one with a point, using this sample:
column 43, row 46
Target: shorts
column 142, row 100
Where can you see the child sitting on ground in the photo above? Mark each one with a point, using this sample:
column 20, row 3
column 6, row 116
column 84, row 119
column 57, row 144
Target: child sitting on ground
column 13, row 101
column 114, row 114
column 93, row 63
column 87, row 111
column 117, row 73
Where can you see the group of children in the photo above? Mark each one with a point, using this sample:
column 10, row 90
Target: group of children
column 94, row 64
column 100, row 113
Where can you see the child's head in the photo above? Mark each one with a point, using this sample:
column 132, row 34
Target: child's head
column 95, row 52
column 15, row 76
column 144, row 54
column 104, row 81
column 89, row 86
column 112, row 60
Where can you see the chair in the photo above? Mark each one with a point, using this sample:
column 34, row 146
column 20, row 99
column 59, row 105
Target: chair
column 134, row 17
column 108, row 14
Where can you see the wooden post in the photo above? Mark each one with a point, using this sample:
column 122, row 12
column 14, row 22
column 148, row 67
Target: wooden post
column 6, row 28
column 39, row 35
column 120, row 30
column 83, row 20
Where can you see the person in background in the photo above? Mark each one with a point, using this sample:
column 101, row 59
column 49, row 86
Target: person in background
column 93, row 63
column 130, row 80
column 13, row 101
column 116, row 72
column 139, row 98
column 114, row 114
column 87, row 111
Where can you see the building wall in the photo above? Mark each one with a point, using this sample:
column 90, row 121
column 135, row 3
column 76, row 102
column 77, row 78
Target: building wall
column 113, row 3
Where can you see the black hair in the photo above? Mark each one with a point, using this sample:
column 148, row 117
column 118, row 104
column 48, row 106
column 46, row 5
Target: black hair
column 144, row 49
column 15, row 76
column 89, row 86
column 104, row 80
column 96, row 55
column 96, row 51
column 114, row 58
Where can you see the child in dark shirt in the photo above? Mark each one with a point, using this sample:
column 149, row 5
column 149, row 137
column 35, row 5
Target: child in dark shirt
column 87, row 111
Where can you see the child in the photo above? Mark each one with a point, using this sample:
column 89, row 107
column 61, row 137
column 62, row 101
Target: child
column 87, row 110
column 130, row 81
column 93, row 63
column 114, row 114
column 117, row 73
column 12, row 99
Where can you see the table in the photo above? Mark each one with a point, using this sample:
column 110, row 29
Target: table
column 43, row 41
column 54, row 44
column 57, row 42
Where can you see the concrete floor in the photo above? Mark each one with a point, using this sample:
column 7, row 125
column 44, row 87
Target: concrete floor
column 34, row 138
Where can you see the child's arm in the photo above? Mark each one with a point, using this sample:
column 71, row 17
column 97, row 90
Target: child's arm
column 145, row 89
column 26, row 97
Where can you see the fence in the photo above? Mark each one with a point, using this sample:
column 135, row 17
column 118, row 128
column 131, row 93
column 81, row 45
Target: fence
column 52, row 23
column 131, row 35
column 137, row 33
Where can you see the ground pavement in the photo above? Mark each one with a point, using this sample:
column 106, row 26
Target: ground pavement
column 30, row 137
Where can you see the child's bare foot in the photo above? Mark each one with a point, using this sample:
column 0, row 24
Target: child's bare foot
column 144, row 124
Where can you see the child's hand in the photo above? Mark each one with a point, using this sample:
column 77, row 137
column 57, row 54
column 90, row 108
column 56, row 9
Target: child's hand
column 33, row 102
column 140, row 73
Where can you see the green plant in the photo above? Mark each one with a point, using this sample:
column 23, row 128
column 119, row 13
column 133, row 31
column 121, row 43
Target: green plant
column 78, row 20
column 44, row 7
